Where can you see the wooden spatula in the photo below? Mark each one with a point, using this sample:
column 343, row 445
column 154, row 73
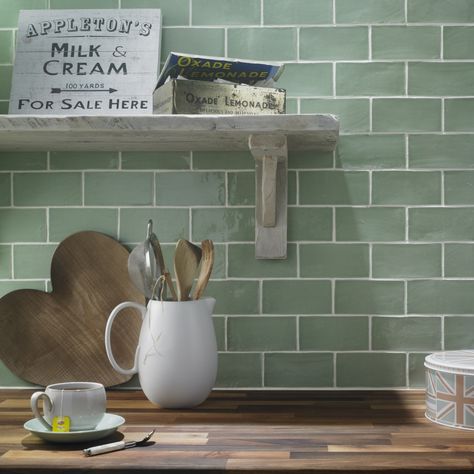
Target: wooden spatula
column 207, row 262
column 186, row 262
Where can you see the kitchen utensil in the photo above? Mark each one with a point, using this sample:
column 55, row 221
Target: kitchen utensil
column 142, row 268
column 108, row 448
column 186, row 261
column 58, row 337
column 106, row 427
column 83, row 403
column 207, row 262
column 176, row 357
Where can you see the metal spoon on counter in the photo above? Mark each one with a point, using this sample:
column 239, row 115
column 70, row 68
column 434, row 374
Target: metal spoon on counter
column 119, row 445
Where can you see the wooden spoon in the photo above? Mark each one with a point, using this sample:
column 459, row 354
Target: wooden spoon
column 207, row 262
column 186, row 261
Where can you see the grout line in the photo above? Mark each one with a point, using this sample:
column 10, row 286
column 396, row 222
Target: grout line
column 441, row 48
column 297, row 333
column 333, row 12
column 190, row 13
column 369, row 32
column 262, row 367
column 370, row 317
column 262, row 19
column 334, row 369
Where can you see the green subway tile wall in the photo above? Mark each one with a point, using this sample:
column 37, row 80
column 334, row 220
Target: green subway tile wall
column 380, row 267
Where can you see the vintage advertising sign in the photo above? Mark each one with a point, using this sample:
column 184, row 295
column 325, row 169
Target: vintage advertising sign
column 86, row 62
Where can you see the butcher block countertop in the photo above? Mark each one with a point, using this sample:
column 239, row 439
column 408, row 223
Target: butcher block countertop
column 252, row 431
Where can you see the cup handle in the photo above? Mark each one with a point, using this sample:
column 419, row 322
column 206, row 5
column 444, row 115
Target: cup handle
column 108, row 330
column 34, row 407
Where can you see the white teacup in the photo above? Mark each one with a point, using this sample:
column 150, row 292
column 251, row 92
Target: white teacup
column 83, row 402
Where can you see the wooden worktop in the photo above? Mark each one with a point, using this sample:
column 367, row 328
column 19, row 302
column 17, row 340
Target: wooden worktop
column 324, row 432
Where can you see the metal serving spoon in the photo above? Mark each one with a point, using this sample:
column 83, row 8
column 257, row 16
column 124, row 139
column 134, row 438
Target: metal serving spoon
column 108, row 448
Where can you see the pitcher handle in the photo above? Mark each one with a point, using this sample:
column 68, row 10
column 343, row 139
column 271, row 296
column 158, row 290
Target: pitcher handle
column 108, row 330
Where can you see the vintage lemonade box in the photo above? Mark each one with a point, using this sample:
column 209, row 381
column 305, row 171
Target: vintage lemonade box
column 200, row 97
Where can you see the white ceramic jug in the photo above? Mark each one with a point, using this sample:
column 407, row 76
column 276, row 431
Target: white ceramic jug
column 176, row 357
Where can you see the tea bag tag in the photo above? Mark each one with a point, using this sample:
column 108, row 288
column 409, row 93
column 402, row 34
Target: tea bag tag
column 61, row 424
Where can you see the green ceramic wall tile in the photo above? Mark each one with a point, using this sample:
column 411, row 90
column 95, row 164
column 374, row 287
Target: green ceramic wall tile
column 226, row 12
column 12, row 285
column 262, row 44
column 310, row 159
column 458, row 187
column 440, row 224
column 406, row 333
column 118, row 188
column 459, row 115
column 22, row 225
column 456, row 40
column 219, row 328
column 416, row 370
column 236, row 370
column 440, row 297
column 296, row 297
column 406, row 115
column 370, row 224
column 224, row 224
column 183, row 188
column 359, row 369
column 6, row 47
column 11, row 8
column 241, row 188
column 354, row 114
column 299, row 79
column 243, row 264
column 218, row 160
column 5, row 262
column 309, row 223
column 32, row 261
column 173, row 12
column 47, row 189
column 406, row 187
column 5, row 82
column 406, row 261
column 80, row 160
column 8, row 379
column 261, row 333
column 169, row 225
column 5, row 189
column 439, row 79
column 406, row 42
column 369, row 297
column 370, row 151
column 300, row 12
column 334, row 333
column 330, row 43
column 291, row 106
column 441, row 151
column 334, row 187
column 459, row 260
column 80, row 4
column 203, row 41
column 458, row 332
column 370, row 79
column 440, row 11
column 298, row 370
column 3, row 107
column 22, row 161
column 334, row 260
column 234, row 296
column 135, row 160
column 65, row 221
column 370, row 11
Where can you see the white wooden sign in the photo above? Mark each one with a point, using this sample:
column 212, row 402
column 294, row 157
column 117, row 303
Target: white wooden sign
column 86, row 62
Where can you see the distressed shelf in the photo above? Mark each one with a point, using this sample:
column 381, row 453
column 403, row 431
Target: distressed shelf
column 268, row 137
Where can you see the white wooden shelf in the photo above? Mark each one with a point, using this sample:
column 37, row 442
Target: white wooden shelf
column 268, row 137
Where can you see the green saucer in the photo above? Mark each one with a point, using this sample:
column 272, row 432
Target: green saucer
column 106, row 427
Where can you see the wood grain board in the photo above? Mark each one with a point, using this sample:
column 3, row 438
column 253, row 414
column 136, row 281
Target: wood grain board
column 256, row 431
column 163, row 132
column 59, row 336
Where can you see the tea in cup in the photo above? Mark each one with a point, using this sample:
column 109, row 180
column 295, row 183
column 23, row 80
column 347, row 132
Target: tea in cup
column 70, row 406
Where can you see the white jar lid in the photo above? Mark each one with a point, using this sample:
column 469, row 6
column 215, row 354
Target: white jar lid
column 456, row 362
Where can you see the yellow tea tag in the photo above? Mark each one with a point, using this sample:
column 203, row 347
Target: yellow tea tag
column 61, row 424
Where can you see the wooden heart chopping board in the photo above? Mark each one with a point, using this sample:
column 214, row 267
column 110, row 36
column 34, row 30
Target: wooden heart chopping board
column 59, row 336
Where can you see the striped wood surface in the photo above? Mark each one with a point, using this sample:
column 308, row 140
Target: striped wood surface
column 253, row 431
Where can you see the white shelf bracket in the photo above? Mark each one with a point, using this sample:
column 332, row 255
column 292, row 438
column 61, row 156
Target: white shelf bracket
column 271, row 166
